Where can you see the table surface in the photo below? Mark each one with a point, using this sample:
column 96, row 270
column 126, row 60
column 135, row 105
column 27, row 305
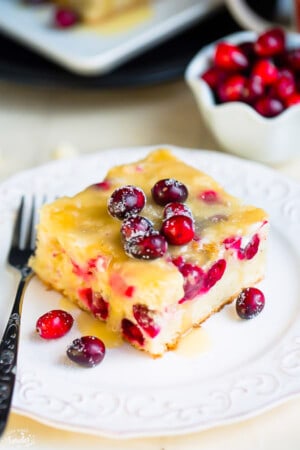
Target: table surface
column 39, row 124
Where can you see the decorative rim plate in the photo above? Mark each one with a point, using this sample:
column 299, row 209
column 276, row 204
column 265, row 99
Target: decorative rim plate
column 248, row 367
column 99, row 49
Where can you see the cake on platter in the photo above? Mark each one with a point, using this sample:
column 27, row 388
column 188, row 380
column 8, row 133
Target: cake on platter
column 153, row 250
column 95, row 10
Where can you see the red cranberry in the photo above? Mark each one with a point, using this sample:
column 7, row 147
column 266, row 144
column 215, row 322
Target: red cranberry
column 132, row 333
column 194, row 278
column 144, row 318
column 95, row 302
column 178, row 230
column 54, row 324
column 230, row 57
column 178, row 262
column 253, row 89
column 270, row 43
column 269, row 107
column 214, row 76
column 99, row 307
column 87, row 351
column 266, row 71
column 169, row 190
column 233, row 242
column 251, row 248
column 231, row 90
column 247, row 49
column 292, row 100
column 285, row 72
column 209, row 196
column 135, row 226
column 150, row 246
column 284, row 87
column 65, row 18
column 126, row 201
column 214, row 274
column 250, row 303
column 293, row 59
column 177, row 209
column 103, row 185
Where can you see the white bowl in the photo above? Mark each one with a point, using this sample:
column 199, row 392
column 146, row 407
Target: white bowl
column 237, row 127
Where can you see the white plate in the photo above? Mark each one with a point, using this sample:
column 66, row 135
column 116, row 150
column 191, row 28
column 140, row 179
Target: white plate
column 249, row 366
column 90, row 51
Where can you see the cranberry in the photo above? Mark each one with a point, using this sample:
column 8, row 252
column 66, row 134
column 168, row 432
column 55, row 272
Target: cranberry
column 103, row 185
column 231, row 90
column 251, row 248
column 150, row 246
column 125, row 201
column 285, row 72
column 253, row 89
column 99, row 306
column 135, row 226
column 233, row 242
column 270, row 43
column 230, row 57
column 129, row 291
column 95, row 302
column 177, row 209
column 144, row 318
column 250, row 303
column 266, row 71
column 292, row 100
column 65, row 18
column 132, row 333
column 214, row 274
column 87, row 351
column 293, row 59
column 214, row 76
column 247, row 49
column 268, row 106
column 54, row 324
column 178, row 230
column 209, row 196
column 284, row 87
column 194, row 278
column 169, row 190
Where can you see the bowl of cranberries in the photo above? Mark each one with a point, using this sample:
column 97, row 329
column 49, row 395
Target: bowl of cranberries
column 247, row 87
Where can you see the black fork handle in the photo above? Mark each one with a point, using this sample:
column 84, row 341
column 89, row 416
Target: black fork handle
column 9, row 351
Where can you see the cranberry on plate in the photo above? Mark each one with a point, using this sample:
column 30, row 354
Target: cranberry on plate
column 86, row 351
column 54, row 324
column 250, row 303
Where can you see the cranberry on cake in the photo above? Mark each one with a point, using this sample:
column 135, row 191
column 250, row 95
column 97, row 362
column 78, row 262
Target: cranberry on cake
column 153, row 250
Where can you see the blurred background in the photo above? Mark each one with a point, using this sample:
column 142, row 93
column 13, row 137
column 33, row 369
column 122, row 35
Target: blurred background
column 49, row 110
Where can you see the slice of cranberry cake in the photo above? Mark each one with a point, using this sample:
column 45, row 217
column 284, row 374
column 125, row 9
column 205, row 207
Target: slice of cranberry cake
column 153, row 250
column 96, row 10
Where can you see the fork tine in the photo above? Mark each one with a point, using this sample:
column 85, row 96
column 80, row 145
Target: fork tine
column 30, row 235
column 16, row 238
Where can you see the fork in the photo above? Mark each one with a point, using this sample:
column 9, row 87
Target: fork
column 18, row 257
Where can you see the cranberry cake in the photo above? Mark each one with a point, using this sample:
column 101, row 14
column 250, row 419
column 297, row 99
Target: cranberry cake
column 96, row 10
column 153, row 250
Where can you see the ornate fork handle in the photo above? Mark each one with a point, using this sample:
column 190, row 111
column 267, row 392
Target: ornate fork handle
column 9, row 351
